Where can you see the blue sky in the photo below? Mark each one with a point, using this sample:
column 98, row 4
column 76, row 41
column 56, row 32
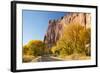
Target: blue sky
column 35, row 23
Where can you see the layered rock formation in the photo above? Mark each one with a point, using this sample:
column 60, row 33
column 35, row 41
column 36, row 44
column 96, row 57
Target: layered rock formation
column 55, row 27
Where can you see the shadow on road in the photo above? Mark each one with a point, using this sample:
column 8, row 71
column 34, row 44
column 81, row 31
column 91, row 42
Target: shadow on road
column 46, row 59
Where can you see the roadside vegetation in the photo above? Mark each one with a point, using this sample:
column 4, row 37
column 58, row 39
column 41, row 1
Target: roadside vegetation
column 74, row 44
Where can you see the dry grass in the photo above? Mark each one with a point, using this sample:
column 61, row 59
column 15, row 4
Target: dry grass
column 28, row 58
column 76, row 57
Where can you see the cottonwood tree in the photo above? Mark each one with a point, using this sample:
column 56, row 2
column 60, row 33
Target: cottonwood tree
column 74, row 40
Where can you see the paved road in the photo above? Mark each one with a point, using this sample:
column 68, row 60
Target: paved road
column 45, row 59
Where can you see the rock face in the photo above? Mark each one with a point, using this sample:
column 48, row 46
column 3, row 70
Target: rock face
column 53, row 32
column 55, row 27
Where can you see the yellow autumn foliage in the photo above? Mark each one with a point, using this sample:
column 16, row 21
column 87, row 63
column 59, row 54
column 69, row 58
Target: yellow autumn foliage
column 74, row 39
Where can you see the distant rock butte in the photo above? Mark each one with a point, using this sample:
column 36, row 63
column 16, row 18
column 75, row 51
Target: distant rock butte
column 55, row 27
